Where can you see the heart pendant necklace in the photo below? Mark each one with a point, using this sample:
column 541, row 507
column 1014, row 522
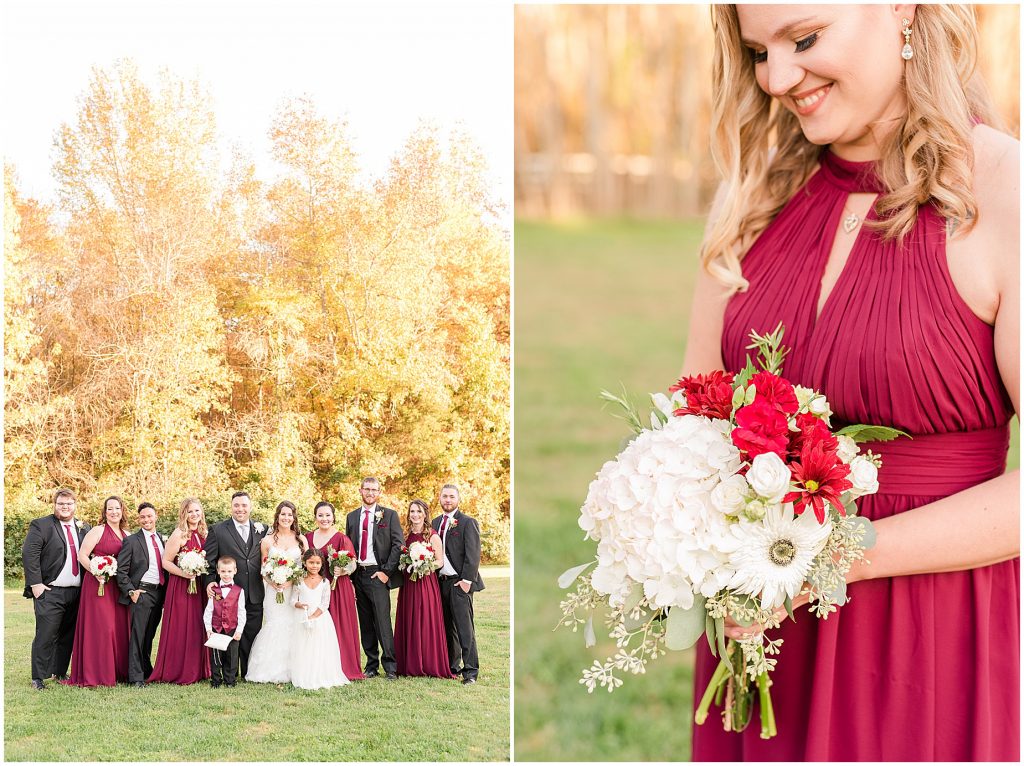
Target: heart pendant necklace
column 851, row 222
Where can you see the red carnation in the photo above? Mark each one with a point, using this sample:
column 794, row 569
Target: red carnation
column 812, row 431
column 282, row 562
column 761, row 428
column 820, row 477
column 708, row 395
column 776, row 391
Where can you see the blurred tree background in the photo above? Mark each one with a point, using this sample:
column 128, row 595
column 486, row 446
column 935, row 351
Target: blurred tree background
column 175, row 326
column 613, row 106
column 612, row 179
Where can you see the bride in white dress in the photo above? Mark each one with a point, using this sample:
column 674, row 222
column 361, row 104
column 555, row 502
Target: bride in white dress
column 315, row 659
column 269, row 658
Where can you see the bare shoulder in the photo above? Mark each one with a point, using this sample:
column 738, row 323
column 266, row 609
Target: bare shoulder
column 997, row 176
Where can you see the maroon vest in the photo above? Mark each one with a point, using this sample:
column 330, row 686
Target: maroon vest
column 225, row 611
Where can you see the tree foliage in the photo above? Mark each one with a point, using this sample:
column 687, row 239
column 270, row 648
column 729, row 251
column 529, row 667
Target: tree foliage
column 176, row 326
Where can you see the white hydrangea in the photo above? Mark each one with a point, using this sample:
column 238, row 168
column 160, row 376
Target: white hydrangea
column 652, row 514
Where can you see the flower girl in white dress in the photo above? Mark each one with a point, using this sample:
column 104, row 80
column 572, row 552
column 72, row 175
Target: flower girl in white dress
column 315, row 658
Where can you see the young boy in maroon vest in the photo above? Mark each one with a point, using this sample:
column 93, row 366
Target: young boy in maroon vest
column 225, row 614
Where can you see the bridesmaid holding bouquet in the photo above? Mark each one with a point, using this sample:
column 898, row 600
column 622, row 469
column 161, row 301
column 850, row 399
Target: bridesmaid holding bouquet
column 180, row 657
column 100, row 654
column 326, row 538
column 421, row 647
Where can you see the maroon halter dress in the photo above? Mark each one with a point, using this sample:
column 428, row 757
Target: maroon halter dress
column 916, row 668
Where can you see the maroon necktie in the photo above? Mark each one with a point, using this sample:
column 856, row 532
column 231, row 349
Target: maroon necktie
column 440, row 531
column 74, row 550
column 363, row 539
column 156, row 550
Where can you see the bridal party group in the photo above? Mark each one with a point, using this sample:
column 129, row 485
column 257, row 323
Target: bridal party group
column 243, row 600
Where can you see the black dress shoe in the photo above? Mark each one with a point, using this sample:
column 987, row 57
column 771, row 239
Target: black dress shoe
column 468, row 681
column 215, row 684
column 38, row 685
column 139, row 684
column 391, row 677
column 370, row 674
column 230, row 685
column 64, row 677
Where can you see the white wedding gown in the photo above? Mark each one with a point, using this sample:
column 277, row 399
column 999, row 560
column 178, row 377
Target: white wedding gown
column 271, row 651
column 315, row 659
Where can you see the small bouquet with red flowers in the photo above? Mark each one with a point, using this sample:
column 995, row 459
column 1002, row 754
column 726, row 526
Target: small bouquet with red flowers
column 281, row 569
column 340, row 560
column 103, row 568
column 418, row 560
column 737, row 498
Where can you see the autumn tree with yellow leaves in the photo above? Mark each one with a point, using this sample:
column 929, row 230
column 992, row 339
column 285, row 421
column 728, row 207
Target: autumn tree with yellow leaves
column 173, row 328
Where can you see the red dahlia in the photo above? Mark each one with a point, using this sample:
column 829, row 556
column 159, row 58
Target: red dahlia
column 820, row 477
column 812, row 431
column 708, row 395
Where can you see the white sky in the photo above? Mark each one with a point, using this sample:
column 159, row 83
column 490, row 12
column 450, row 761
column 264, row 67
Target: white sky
column 380, row 66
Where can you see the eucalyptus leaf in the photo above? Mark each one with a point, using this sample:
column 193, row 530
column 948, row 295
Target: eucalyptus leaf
column 866, row 433
column 636, row 593
column 720, row 638
column 838, row 594
column 709, row 633
column 646, row 615
column 684, row 626
column 788, row 603
column 589, row 637
column 568, row 577
column 870, row 537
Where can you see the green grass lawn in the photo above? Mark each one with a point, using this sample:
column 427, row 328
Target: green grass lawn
column 412, row 719
column 596, row 303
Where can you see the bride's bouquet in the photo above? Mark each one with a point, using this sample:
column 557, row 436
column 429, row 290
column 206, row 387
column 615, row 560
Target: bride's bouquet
column 280, row 569
column 192, row 563
column 103, row 568
column 418, row 560
column 737, row 498
column 340, row 560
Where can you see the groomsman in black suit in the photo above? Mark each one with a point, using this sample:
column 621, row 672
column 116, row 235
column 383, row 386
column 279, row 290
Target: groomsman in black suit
column 459, row 579
column 376, row 533
column 143, row 582
column 53, row 579
column 239, row 538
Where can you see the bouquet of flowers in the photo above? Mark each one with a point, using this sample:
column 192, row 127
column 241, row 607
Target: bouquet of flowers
column 418, row 560
column 280, row 569
column 192, row 563
column 342, row 560
column 737, row 498
column 103, row 568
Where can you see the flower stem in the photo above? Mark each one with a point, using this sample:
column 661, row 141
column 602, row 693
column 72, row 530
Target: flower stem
column 720, row 675
column 768, row 729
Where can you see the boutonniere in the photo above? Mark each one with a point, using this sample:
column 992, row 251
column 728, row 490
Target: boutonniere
column 78, row 523
column 261, row 528
column 454, row 525
column 378, row 516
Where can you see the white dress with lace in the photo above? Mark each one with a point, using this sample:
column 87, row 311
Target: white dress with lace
column 269, row 657
column 315, row 658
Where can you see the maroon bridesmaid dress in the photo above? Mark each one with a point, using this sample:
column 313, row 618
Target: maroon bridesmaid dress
column 916, row 668
column 421, row 648
column 343, row 608
column 100, row 654
column 181, row 657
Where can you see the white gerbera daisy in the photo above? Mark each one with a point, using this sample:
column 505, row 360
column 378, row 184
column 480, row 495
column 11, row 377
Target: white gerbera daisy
column 773, row 556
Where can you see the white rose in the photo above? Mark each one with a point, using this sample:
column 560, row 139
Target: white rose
column 769, row 476
column 848, row 449
column 864, row 476
column 819, row 407
column 730, row 495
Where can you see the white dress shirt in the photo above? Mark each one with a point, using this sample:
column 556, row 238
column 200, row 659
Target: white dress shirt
column 66, row 579
column 447, row 569
column 243, row 531
column 371, row 558
column 208, row 612
column 152, row 575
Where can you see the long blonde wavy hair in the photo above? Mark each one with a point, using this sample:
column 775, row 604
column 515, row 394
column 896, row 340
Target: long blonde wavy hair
column 183, row 519
column 764, row 158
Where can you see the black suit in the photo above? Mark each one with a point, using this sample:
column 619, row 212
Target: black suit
column 43, row 555
column 224, row 540
column 373, row 598
column 462, row 551
column 133, row 560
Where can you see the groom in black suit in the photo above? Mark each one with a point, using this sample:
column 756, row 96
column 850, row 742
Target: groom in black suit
column 143, row 583
column 376, row 533
column 53, row 580
column 459, row 579
column 240, row 538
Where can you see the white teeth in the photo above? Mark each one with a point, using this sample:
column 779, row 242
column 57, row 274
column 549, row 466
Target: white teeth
column 811, row 99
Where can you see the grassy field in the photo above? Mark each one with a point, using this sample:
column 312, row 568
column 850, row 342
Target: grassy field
column 596, row 304
column 375, row 720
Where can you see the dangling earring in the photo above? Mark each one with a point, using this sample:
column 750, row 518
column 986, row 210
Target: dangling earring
column 907, row 52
